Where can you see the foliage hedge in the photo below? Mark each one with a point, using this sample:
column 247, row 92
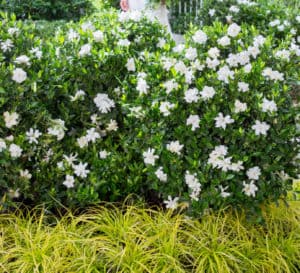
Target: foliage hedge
column 47, row 9
column 101, row 110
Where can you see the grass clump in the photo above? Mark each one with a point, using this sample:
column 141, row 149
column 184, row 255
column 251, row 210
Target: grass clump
column 134, row 239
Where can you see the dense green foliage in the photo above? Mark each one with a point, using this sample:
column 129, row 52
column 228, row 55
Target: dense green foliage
column 91, row 114
column 47, row 9
column 136, row 240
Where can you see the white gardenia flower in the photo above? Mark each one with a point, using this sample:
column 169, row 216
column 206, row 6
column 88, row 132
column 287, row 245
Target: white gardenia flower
column 19, row 75
column 7, row 45
column 15, row 150
column 191, row 95
column 98, row 36
column 161, row 175
column 234, row 9
column 283, row 54
column 85, row 50
column 170, row 86
column 37, row 52
column 222, row 121
column 32, row 135
column 2, row 145
column 259, row 41
column 193, row 183
column 103, row 154
column 249, row 189
column 233, row 30
column 69, row 181
column 82, row 142
column 254, row 173
column 200, row 37
column 112, row 126
column 254, row 51
column 13, row 30
column 260, row 128
column 165, row 108
column 79, row 94
column 23, row 59
column 130, row 65
column 104, row 103
column 193, row 120
column 212, row 63
column 72, row 35
column 274, row 23
column 207, row 93
column 70, row 159
column 87, row 26
column 150, row 157
column 224, row 41
column 10, row 138
column 214, row 52
column 180, row 67
column 11, row 119
column 243, row 87
column 25, row 174
column 92, row 135
column 247, row 68
column 81, row 170
column 224, row 74
column 224, row 193
column 167, row 63
column 58, row 129
column 175, row 147
column 178, row 48
column 191, row 53
column 211, row 12
column 268, row 73
column 171, row 203
column 196, row 65
column 161, row 43
column 142, row 86
column 124, row 42
column 239, row 106
column 268, row 106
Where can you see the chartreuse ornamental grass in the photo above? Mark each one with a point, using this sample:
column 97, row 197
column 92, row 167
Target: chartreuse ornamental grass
column 135, row 239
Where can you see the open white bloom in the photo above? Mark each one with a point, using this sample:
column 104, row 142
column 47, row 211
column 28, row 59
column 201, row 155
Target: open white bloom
column 191, row 95
column 254, row 173
column 161, row 42
column 224, row 192
column 247, row 68
column 92, row 135
column 85, row 50
column 2, row 145
column 81, row 170
column 14, row 193
column 283, row 54
column 171, row 203
column 193, row 183
column 249, row 189
column 167, row 63
column 224, row 74
column 70, row 159
column 104, row 103
column 222, row 121
column 7, row 45
column 170, row 86
column 180, row 67
column 165, row 108
column 15, row 150
column 58, row 129
column 161, row 175
column 189, row 76
column 212, row 63
column 236, row 167
column 193, row 120
column 72, row 35
column 25, row 174
column 124, row 42
column 178, row 48
column 130, row 65
column 211, row 12
column 150, row 157
column 274, row 23
column 78, row 95
column 239, row 106
column 142, row 86
column 259, row 40
column 37, row 52
column 224, row 41
column 268, row 73
column 69, row 181
column 32, row 135
column 86, row 26
column 196, row 65
column 23, row 59
column 268, row 106
column 254, row 51
column 98, row 36
column 13, row 30
column 103, row 154
column 234, row 9
column 191, row 53
column 11, row 119
column 19, row 75
column 10, row 138
column 175, row 147
column 82, row 142
column 112, row 126
column 200, row 37
column 233, row 30
column 214, row 52
column 243, row 87
column 260, row 128
column 207, row 93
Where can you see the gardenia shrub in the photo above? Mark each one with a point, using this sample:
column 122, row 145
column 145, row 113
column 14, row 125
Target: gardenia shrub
column 112, row 107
